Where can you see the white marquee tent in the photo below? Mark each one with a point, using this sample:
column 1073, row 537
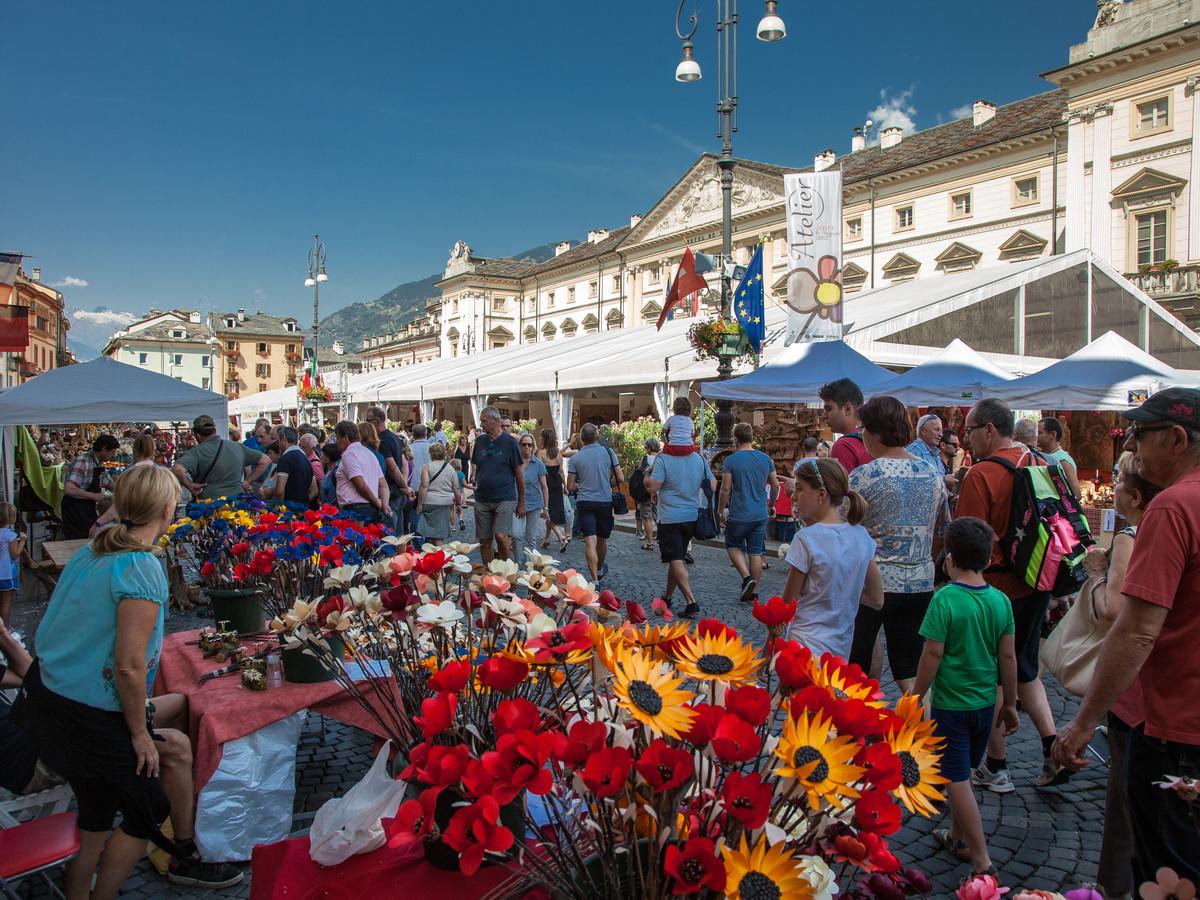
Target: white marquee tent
column 959, row 375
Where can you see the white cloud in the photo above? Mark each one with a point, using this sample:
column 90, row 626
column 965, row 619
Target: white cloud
column 107, row 317
column 71, row 281
column 961, row 112
column 893, row 111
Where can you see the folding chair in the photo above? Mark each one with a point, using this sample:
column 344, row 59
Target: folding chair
column 35, row 847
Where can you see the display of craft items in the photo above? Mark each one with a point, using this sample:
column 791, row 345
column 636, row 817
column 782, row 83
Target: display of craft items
column 221, row 644
column 254, row 678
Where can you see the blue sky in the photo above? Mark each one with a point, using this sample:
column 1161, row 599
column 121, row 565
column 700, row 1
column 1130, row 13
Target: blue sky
column 175, row 154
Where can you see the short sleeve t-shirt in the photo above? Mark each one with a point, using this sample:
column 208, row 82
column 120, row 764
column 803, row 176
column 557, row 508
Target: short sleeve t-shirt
column 220, row 465
column 1064, row 459
column 77, row 639
column 905, row 498
column 535, row 469
column 681, row 493
column 496, row 461
column 391, row 448
column 593, row 468
column 969, row 621
column 680, row 431
column 850, row 451
column 7, row 536
column 420, row 459
column 295, row 465
column 1165, row 570
column 749, row 472
column 835, row 559
column 358, row 459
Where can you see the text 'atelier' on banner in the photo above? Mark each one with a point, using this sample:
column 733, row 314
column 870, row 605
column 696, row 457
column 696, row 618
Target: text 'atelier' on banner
column 814, row 237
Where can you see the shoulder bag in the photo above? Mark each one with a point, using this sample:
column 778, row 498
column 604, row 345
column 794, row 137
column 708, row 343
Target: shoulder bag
column 1071, row 651
column 620, row 506
column 706, row 516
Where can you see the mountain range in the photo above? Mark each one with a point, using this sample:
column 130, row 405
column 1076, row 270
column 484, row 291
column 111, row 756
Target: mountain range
column 91, row 329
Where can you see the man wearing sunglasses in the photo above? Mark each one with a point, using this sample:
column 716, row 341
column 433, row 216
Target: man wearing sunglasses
column 1154, row 640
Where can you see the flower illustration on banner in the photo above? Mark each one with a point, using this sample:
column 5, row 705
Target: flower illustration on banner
column 819, row 292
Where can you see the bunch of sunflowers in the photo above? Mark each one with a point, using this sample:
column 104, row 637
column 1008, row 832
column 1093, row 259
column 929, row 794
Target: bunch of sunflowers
column 555, row 730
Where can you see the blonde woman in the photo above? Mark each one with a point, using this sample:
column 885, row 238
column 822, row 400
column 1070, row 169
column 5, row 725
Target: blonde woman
column 438, row 495
column 98, row 647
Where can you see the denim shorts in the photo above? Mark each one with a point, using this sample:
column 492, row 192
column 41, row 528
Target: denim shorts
column 966, row 733
column 749, row 537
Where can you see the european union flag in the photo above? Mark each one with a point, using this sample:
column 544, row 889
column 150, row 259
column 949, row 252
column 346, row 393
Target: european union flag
column 749, row 303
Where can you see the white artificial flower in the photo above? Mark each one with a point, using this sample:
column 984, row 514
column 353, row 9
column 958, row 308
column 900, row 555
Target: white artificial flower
column 819, row 876
column 509, row 612
column 399, row 540
column 539, row 561
column 380, row 569
column 505, row 568
column 460, row 564
column 340, row 577
column 539, row 584
column 359, row 596
column 539, row 624
column 444, row 613
column 459, row 548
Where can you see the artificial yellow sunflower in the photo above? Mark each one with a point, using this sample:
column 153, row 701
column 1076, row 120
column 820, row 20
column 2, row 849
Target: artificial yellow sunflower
column 650, row 691
column 836, row 677
column 517, row 650
column 918, row 749
column 763, row 872
column 819, row 763
column 716, row 657
column 657, row 637
column 606, row 642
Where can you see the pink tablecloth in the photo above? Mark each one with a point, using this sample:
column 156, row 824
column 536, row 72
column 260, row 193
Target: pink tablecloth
column 222, row 710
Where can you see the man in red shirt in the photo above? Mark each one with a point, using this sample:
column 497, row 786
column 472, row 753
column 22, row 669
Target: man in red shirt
column 1157, row 634
column 987, row 494
column 842, row 398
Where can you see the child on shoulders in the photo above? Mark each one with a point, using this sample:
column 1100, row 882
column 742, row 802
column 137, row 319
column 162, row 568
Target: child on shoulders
column 678, row 429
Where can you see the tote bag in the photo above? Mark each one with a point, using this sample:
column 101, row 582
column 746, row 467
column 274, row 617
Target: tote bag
column 1071, row 651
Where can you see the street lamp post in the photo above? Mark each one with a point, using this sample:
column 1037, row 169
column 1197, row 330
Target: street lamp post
column 770, row 29
column 316, row 276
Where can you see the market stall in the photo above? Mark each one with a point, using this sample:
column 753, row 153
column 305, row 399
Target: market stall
column 797, row 373
column 958, row 375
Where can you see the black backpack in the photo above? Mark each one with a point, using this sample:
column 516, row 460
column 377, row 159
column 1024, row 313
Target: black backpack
column 637, row 484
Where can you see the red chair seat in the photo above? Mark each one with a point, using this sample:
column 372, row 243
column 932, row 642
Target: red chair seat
column 38, row 844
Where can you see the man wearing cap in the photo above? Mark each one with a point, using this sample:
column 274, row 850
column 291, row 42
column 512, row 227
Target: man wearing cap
column 1154, row 641
column 216, row 467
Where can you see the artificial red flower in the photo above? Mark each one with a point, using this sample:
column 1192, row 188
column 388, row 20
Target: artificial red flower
column 241, row 548
column 635, row 613
column 478, row 781
column 582, row 739
column 751, row 704
column 518, row 764
column 502, row 673
column 665, row 767
column 413, row 820
column 775, row 612
column 475, row 830
column 704, row 723
column 432, row 563
column 437, row 714
column 241, row 572
column 660, row 608
column 609, row 600
column 328, row 510
column 550, row 645
column 866, row 850
column 793, row 665
column 695, row 867
column 747, row 799
column 812, row 701
column 606, row 771
column 882, row 765
column 734, row 740
column 400, row 598
column 331, row 555
column 207, row 570
column 875, row 811
column 516, row 714
column 883, row 887
column 336, row 603
column 452, row 677
column 714, row 628
column 856, row 718
column 437, row 765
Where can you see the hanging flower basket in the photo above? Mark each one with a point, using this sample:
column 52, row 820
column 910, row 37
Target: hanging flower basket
column 716, row 338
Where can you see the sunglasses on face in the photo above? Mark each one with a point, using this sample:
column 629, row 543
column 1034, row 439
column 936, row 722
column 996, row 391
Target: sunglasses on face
column 527, row 446
column 1137, row 432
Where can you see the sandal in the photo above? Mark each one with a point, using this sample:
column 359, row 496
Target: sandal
column 562, row 547
column 647, row 546
column 957, row 848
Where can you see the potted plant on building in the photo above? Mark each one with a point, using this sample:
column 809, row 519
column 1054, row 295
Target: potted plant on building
column 714, row 338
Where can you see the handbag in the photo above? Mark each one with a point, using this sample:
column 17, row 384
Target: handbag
column 620, row 506
column 706, row 516
column 1071, row 651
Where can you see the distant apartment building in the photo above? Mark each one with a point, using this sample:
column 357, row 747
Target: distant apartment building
column 415, row 342
column 46, row 348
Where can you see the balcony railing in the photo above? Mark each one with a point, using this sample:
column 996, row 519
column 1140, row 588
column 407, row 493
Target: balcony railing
column 1183, row 281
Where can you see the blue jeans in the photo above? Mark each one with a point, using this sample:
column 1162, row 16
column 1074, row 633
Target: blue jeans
column 1164, row 826
column 749, row 537
column 966, row 733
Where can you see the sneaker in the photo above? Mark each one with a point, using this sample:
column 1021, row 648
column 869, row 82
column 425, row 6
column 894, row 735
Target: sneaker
column 194, row 872
column 996, row 782
column 687, row 558
column 690, row 611
column 1051, row 776
column 749, row 587
column 603, row 571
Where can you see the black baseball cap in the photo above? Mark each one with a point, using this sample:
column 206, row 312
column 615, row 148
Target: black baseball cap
column 203, row 422
column 1176, row 404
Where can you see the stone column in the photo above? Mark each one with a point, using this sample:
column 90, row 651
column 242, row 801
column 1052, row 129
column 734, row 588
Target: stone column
column 1101, row 224
column 1075, row 234
column 1193, row 199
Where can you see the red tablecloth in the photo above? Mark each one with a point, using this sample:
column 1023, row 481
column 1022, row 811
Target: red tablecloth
column 222, row 710
column 285, row 870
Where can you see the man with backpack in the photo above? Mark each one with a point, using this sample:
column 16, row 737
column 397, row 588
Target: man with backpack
column 641, row 494
column 987, row 493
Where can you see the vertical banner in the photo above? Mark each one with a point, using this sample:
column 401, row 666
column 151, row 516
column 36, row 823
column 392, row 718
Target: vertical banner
column 814, row 237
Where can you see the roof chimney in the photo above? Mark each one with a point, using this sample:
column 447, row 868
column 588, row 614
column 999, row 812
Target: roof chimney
column 37, row 275
column 194, row 317
column 561, row 248
column 982, row 112
column 339, row 348
column 858, row 142
column 241, row 315
column 890, row 137
column 824, row 160
column 634, row 219
column 595, row 237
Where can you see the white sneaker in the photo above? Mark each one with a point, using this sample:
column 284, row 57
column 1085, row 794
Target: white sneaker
column 997, row 782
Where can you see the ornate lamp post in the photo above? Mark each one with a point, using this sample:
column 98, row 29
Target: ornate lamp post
column 770, row 29
column 316, row 276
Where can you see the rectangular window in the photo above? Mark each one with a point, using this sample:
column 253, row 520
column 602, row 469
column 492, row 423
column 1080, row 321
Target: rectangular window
column 498, row 304
column 593, row 289
column 616, row 284
column 179, row 359
column 143, row 358
column 570, row 295
column 1152, row 116
column 204, row 361
column 231, row 345
column 1025, row 190
column 652, row 276
column 263, row 370
column 854, row 229
column 960, row 205
column 291, row 348
column 262, row 346
column 904, row 218
column 204, row 382
column 550, row 298
column 1151, row 238
column 261, row 387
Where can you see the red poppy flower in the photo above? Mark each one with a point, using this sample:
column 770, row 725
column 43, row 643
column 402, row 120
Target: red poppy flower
column 751, row 704
column 882, row 765
column 437, row 765
column 451, row 678
column 606, row 771
column 477, row 780
column 665, row 767
column 775, row 612
column 875, row 811
column 582, row 739
column 811, row 701
column 400, row 598
column 328, row 511
column 695, row 866
column 793, row 665
column 413, row 820
column 516, row 714
column 431, row 563
column 241, row 548
column 550, row 645
column 856, row 718
column 207, row 570
column 311, row 516
column 704, row 723
column 608, row 600
column 502, row 673
column 866, row 850
column 518, row 764
column 714, row 628
column 437, row 714
column 635, row 613
column 336, row 603
column 475, row 830
column 241, row 572
column 734, row 740
column 747, row 799
column 331, row 555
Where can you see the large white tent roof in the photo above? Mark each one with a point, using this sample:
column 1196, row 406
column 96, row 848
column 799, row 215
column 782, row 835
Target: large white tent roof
column 264, row 402
column 958, row 375
column 796, row 373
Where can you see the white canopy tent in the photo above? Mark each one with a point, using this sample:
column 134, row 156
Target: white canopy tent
column 957, row 376
column 797, row 373
column 265, row 403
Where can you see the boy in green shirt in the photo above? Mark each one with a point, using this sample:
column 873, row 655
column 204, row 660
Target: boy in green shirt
column 968, row 633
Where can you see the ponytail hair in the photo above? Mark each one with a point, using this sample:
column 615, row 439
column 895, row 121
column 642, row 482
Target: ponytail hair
column 140, row 496
column 828, row 475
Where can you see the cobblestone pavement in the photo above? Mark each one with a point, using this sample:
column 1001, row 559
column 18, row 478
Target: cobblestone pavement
column 1048, row 839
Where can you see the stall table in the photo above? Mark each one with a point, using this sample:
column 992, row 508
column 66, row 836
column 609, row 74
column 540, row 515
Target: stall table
column 60, row 552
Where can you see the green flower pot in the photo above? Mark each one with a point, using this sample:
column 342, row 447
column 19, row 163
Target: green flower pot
column 300, row 667
column 241, row 607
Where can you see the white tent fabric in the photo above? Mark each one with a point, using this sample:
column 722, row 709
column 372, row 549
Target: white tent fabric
column 958, row 375
column 1104, row 375
column 264, row 403
column 562, row 405
column 104, row 390
column 796, row 374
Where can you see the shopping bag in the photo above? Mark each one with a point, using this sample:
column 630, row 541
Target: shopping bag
column 349, row 825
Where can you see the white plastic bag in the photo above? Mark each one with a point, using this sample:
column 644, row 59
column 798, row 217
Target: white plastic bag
column 348, row 825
